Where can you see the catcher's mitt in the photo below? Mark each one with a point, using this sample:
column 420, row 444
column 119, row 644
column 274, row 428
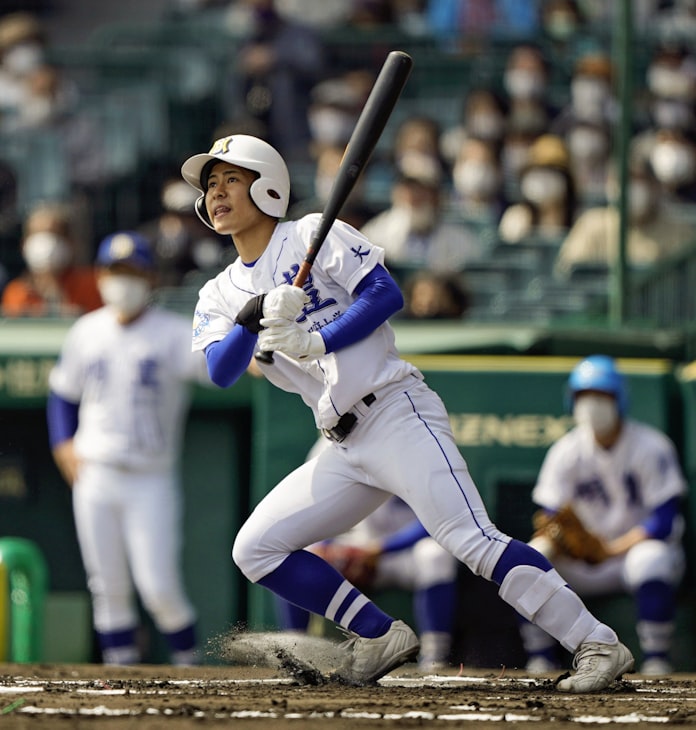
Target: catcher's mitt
column 569, row 536
column 355, row 564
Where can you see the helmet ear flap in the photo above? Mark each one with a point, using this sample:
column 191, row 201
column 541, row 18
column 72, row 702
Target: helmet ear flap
column 201, row 212
column 267, row 198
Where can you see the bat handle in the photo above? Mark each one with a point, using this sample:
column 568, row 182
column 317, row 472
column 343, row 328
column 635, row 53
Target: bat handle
column 266, row 356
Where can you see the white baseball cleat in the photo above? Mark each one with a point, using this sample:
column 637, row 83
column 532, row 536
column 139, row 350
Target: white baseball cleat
column 596, row 667
column 370, row 659
column 540, row 664
column 656, row 667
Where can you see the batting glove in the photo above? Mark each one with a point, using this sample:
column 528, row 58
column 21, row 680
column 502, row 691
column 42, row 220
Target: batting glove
column 284, row 302
column 290, row 338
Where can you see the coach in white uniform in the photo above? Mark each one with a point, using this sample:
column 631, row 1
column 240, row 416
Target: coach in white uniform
column 624, row 481
column 390, row 433
column 118, row 398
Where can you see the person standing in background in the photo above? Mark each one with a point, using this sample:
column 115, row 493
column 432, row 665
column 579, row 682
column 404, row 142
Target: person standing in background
column 116, row 408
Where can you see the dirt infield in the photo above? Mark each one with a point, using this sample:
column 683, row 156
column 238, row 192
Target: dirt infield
column 151, row 697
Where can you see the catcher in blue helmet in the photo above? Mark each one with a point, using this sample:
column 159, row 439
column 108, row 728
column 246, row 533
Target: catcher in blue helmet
column 623, row 482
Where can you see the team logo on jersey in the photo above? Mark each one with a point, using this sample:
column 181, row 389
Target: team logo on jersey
column 359, row 253
column 200, row 322
column 316, row 303
column 148, row 372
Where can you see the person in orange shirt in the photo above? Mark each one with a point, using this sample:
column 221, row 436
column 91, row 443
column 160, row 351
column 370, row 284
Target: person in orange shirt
column 53, row 284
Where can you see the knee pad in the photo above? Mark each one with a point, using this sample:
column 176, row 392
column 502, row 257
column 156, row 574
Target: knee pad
column 652, row 560
column 527, row 588
column 433, row 564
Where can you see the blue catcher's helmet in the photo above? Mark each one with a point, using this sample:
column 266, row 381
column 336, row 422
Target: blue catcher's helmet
column 598, row 372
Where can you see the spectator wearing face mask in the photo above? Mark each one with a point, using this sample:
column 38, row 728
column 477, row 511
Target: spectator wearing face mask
column 52, row 284
column 673, row 161
column 589, row 146
column 592, row 98
column 412, row 231
column 526, row 82
column 547, row 207
column 483, row 117
column 22, row 48
column 654, row 233
column 670, row 82
column 478, row 183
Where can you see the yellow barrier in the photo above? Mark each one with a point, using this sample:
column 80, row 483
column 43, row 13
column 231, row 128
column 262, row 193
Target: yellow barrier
column 25, row 585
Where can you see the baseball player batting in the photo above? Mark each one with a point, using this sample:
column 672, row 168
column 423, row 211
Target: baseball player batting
column 118, row 398
column 389, row 432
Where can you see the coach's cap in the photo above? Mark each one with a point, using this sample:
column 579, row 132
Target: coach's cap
column 125, row 247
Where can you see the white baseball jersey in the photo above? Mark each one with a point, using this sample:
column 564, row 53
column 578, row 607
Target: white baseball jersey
column 130, row 382
column 611, row 490
column 332, row 384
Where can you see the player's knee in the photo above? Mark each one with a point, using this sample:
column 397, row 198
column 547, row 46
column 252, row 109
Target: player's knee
column 652, row 560
column 433, row 564
column 169, row 608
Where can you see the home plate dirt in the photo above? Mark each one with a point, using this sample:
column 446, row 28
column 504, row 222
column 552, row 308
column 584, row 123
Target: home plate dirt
column 266, row 681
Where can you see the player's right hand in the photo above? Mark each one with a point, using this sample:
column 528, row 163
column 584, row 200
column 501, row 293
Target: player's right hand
column 284, row 302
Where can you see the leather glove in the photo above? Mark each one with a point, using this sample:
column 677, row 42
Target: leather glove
column 284, row 302
column 290, row 338
column 250, row 314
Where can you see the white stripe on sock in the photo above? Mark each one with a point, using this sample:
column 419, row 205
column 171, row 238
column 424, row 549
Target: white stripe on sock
column 344, row 589
column 353, row 609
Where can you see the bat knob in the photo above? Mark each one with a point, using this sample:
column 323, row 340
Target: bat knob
column 264, row 356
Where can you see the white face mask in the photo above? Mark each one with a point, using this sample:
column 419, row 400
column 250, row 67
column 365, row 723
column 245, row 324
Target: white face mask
column 486, row 125
column 587, row 145
column 23, row 58
column 521, row 83
column 542, row 186
column 673, row 163
column 478, row 179
column 128, row 295
column 596, row 411
column 331, row 126
column 46, row 252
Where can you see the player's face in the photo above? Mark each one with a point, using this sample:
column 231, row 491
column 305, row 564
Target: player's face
column 227, row 200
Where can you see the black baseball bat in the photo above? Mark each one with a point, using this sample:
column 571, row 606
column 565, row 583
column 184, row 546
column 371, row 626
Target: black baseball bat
column 368, row 129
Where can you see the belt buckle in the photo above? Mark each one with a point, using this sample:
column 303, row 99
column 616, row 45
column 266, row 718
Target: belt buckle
column 344, row 426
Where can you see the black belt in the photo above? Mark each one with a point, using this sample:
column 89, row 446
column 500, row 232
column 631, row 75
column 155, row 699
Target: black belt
column 347, row 422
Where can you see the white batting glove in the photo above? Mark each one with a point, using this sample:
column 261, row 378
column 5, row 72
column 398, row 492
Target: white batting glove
column 290, row 338
column 284, row 302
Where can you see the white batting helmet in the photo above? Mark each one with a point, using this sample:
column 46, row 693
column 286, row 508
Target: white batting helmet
column 270, row 192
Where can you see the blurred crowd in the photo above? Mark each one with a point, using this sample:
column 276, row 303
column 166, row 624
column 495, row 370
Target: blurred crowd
column 513, row 200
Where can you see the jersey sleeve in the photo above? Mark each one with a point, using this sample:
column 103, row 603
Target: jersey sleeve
column 189, row 364
column 212, row 319
column 662, row 472
column 347, row 256
column 66, row 378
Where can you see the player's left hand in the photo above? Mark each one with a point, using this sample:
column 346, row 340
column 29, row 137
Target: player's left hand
column 290, row 338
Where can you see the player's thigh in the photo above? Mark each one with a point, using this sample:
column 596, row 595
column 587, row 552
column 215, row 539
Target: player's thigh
column 322, row 498
column 418, row 460
column 153, row 529
column 97, row 501
column 396, row 570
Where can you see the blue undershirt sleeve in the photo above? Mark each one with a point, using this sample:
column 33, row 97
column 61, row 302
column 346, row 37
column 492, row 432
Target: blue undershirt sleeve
column 229, row 358
column 404, row 538
column 378, row 298
column 658, row 524
column 62, row 417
